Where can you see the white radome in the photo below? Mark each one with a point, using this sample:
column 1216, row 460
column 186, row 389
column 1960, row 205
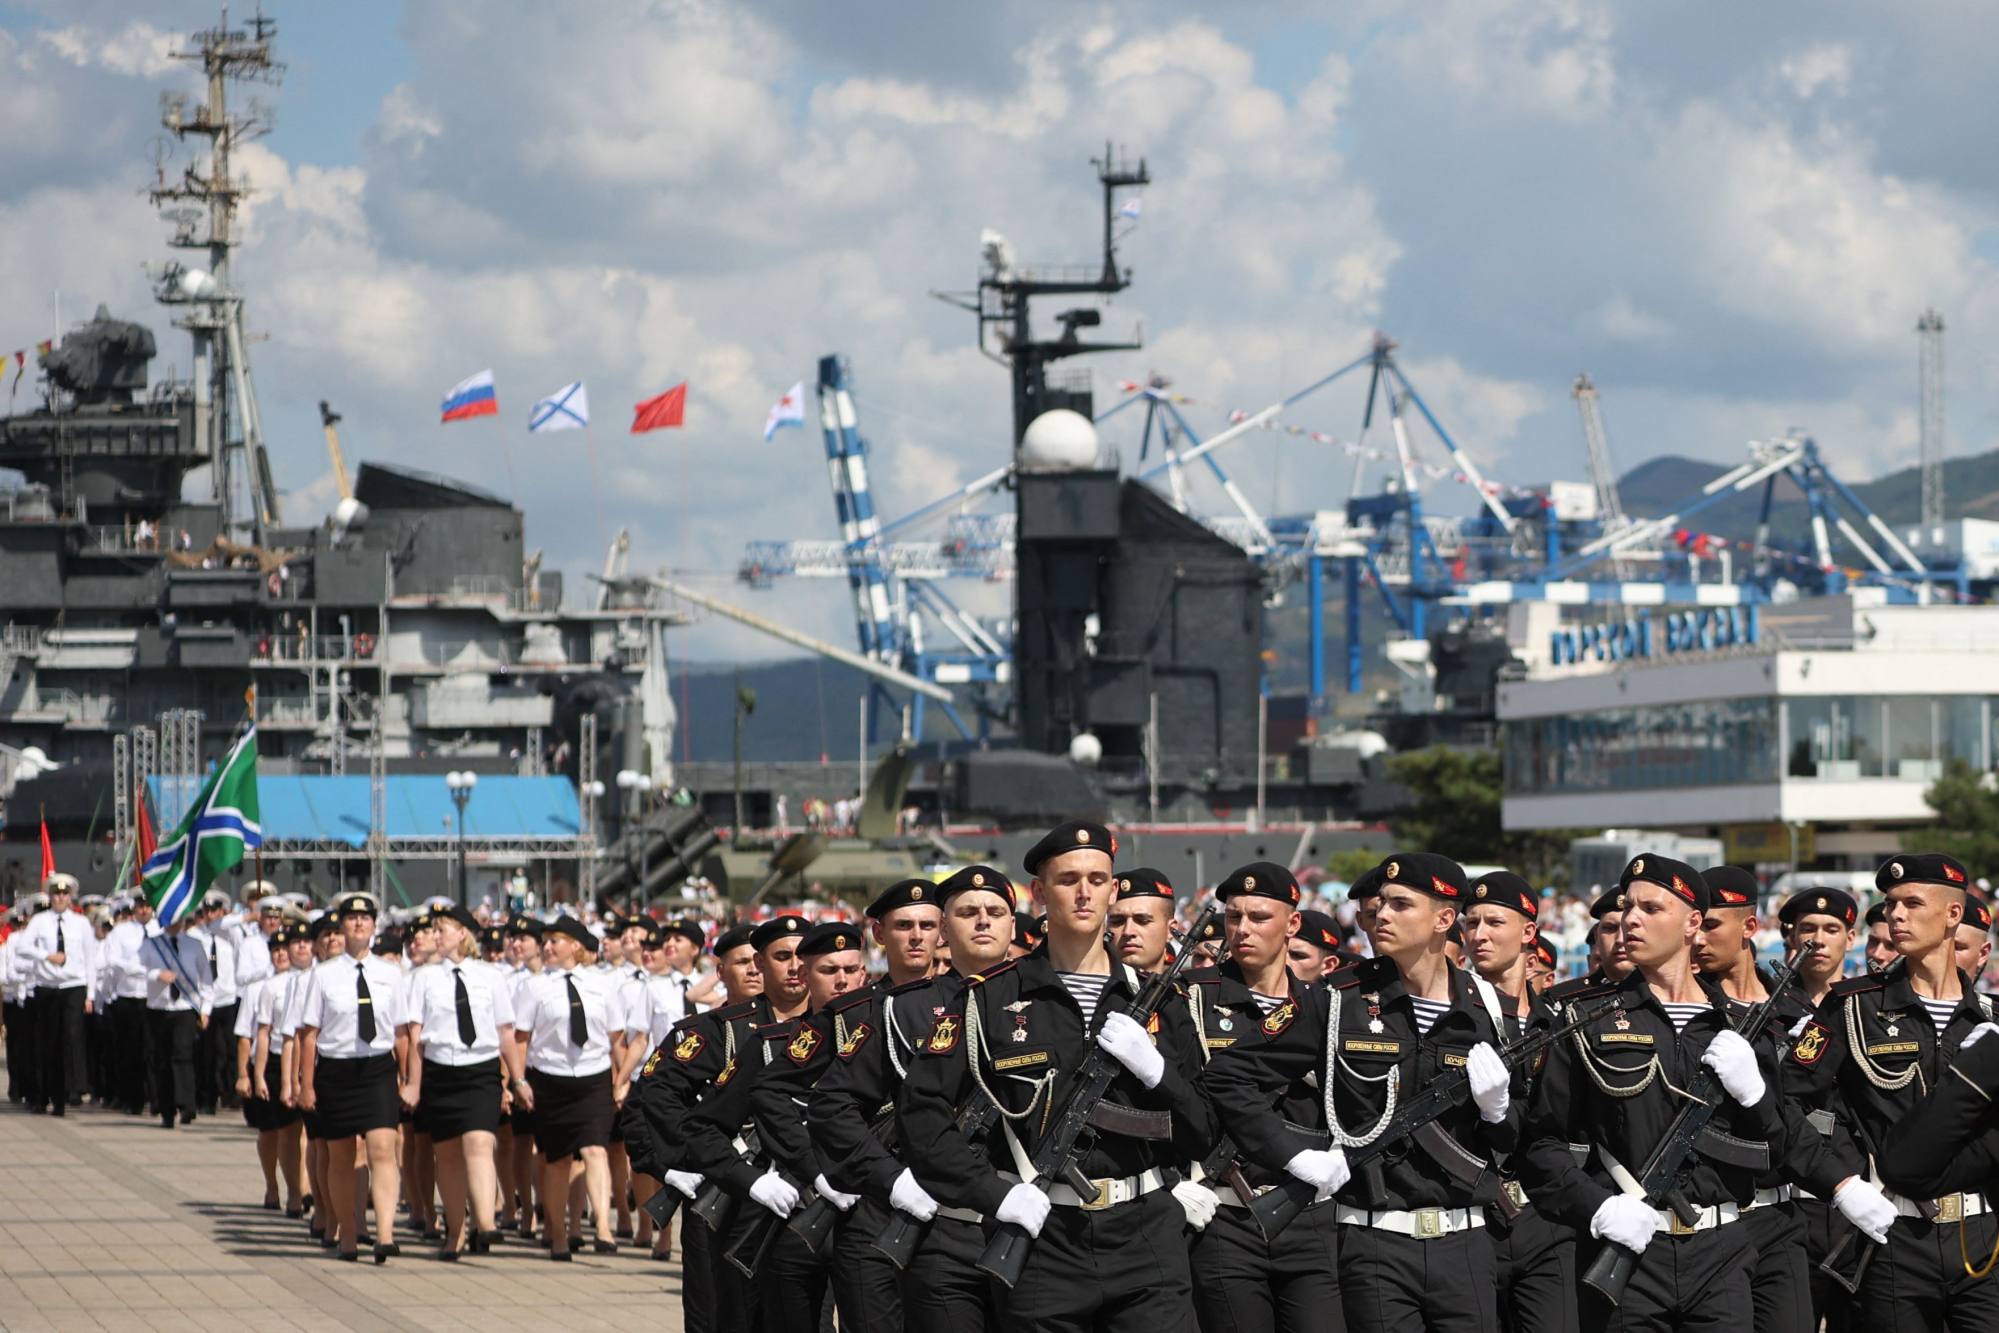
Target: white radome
column 1059, row 440
column 1086, row 749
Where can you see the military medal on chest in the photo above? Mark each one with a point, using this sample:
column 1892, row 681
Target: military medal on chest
column 1225, row 1023
column 1374, row 1023
column 1623, row 1021
column 1894, row 1024
column 1019, row 1011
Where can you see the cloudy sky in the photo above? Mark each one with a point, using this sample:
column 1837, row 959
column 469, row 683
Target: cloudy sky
column 1731, row 216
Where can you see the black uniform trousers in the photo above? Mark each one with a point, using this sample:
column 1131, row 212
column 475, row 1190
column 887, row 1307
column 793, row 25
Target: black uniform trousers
column 792, row 1284
column 1397, row 1284
column 215, row 1075
column 1683, row 1284
column 1534, row 1264
column 1917, row 1280
column 1832, row 1305
column 1243, row 1284
column 1780, row 1284
column 1112, row 1270
column 59, row 1020
column 866, row 1286
column 697, row 1278
column 171, row 1034
column 129, row 1061
column 24, row 1075
column 943, row 1290
column 734, row 1298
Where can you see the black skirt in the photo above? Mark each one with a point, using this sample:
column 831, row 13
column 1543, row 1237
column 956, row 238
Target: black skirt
column 356, row 1096
column 458, row 1099
column 570, row 1114
column 267, row 1114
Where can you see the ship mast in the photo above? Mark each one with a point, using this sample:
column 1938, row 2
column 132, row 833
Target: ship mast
column 202, row 205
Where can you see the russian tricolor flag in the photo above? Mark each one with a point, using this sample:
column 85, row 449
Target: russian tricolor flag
column 472, row 398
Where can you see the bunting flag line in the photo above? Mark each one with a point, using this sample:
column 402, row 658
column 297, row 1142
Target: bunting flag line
column 669, row 409
column 470, row 398
column 786, row 411
column 568, row 408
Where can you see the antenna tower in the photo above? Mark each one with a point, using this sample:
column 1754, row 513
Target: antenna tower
column 1929, row 332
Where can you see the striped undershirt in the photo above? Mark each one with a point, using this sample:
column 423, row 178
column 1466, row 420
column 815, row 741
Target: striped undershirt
column 1427, row 1012
column 1085, row 989
column 1266, row 1002
column 1940, row 1012
column 1682, row 1014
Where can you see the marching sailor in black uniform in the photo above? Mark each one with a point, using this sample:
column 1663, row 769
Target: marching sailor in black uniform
column 1118, row 1260
column 1413, row 1248
column 1241, row 1281
column 1876, row 1048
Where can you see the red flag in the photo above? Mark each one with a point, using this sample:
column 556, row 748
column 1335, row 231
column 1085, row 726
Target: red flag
column 48, row 852
column 148, row 841
column 669, row 409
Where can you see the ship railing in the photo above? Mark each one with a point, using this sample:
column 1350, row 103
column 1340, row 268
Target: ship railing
column 358, row 647
column 20, row 640
column 124, row 537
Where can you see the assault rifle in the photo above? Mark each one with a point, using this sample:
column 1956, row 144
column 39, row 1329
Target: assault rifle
column 1058, row 1159
column 813, row 1223
column 712, row 1203
column 1415, row 1117
column 899, row 1239
column 1692, row 1131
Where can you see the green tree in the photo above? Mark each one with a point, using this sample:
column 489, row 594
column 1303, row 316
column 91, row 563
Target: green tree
column 1350, row 863
column 1967, row 827
column 1454, row 809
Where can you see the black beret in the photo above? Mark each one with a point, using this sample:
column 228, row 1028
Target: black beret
column 903, row 893
column 1819, row 902
column 355, row 904
column 1212, row 933
column 1675, row 877
column 1546, row 951
column 575, row 930
column 1144, row 882
column 830, row 937
column 1976, row 913
column 1077, row 834
column 492, row 937
column 522, row 924
column 1731, row 886
column 1921, row 868
column 1877, row 915
column 1028, row 931
column 1260, row 879
column 981, row 878
column 685, row 929
column 387, row 942
column 456, row 912
column 1366, row 885
column 322, row 926
column 281, row 938
column 1319, row 930
column 778, row 928
column 1610, row 900
column 735, row 937
column 1425, row 872
column 1503, row 888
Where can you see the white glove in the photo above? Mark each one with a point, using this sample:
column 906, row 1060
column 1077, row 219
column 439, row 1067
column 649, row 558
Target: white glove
column 1129, row 1046
column 687, row 1182
column 1025, row 1206
column 1491, row 1083
column 1866, row 1207
column 1733, row 1061
column 1324, row 1169
column 774, row 1192
column 1197, row 1202
column 844, row 1202
column 1626, row 1221
column 1972, row 1037
column 909, row 1197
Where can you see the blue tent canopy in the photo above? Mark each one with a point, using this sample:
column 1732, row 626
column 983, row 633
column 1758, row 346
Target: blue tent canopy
column 313, row 808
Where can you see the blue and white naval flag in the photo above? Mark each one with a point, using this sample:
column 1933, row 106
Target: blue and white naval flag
column 568, row 408
column 786, row 411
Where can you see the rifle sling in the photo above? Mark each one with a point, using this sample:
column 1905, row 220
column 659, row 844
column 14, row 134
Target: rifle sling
column 1131, row 1122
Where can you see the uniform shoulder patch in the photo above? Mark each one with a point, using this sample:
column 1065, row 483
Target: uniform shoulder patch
column 1811, row 1044
column 687, row 1046
column 803, row 1044
column 855, row 1036
column 1280, row 1018
column 944, row 1037
column 652, row 1062
column 728, row 1072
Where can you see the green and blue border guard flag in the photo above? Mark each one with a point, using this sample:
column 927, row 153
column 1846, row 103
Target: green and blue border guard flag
column 220, row 827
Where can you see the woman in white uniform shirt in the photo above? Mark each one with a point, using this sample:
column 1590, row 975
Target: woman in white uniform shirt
column 347, row 1064
column 267, row 1063
column 461, row 1019
column 571, row 1026
column 259, row 1111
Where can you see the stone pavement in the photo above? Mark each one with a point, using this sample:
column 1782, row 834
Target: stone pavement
column 108, row 1221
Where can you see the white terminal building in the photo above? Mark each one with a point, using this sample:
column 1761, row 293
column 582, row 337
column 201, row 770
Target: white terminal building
column 1828, row 716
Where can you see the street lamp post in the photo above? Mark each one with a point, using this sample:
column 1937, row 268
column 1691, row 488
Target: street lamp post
column 461, row 784
column 636, row 786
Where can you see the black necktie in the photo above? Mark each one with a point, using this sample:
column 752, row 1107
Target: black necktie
column 211, row 958
column 59, row 948
column 579, row 1029
column 176, row 981
column 467, row 1033
column 364, row 1004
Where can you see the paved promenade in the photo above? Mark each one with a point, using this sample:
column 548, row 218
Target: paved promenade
column 108, row 1221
